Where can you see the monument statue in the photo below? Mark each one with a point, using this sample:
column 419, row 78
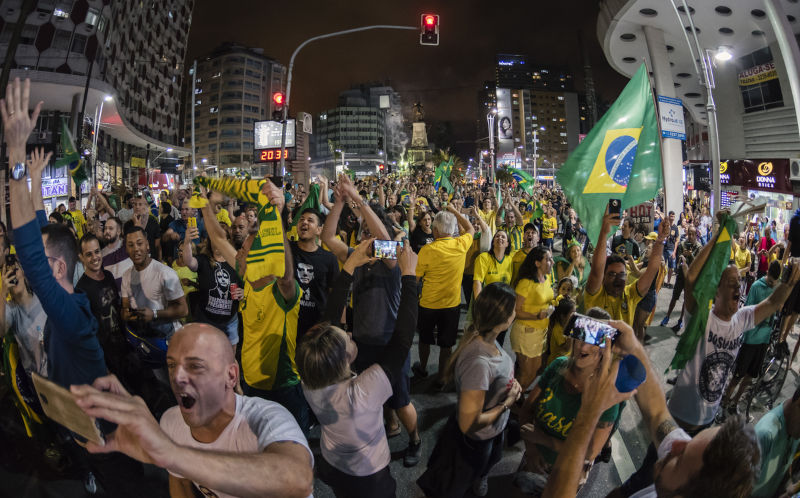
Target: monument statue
column 419, row 113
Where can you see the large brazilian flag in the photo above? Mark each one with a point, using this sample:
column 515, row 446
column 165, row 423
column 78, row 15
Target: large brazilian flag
column 620, row 158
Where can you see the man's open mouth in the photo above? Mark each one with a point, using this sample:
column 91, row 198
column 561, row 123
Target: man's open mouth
column 186, row 401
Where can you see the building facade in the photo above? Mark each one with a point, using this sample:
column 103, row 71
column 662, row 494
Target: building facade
column 233, row 89
column 125, row 56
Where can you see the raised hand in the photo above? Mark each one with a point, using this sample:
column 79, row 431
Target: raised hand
column 38, row 161
column 17, row 123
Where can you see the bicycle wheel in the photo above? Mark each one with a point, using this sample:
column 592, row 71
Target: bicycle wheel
column 768, row 387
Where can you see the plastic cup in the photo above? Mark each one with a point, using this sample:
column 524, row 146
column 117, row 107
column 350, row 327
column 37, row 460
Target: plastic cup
column 631, row 374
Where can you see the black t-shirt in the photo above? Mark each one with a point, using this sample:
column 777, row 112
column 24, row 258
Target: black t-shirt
column 152, row 231
column 214, row 303
column 315, row 272
column 672, row 239
column 167, row 248
column 623, row 246
column 105, row 303
column 794, row 235
column 419, row 238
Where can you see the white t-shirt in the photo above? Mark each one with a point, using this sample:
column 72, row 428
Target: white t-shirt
column 663, row 450
column 153, row 288
column 351, row 414
column 700, row 385
column 256, row 424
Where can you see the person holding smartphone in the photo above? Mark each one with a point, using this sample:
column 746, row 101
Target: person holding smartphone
column 556, row 396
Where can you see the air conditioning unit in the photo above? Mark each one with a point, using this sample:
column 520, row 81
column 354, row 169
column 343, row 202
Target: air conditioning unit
column 794, row 169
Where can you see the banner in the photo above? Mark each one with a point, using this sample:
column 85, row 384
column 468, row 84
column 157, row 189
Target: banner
column 137, row 162
column 758, row 74
column 504, row 123
column 757, row 174
column 670, row 113
column 642, row 214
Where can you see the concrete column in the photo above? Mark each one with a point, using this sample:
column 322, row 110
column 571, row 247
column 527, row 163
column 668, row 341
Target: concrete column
column 790, row 54
column 671, row 156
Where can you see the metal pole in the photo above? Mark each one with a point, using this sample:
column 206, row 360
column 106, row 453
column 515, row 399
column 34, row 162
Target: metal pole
column 789, row 50
column 194, row 102
column 98, row 116
column 535, row 157
column 291, row 65
column 490, row 123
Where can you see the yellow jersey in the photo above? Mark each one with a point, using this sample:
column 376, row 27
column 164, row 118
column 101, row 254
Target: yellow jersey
column 620, row 308
column 440, row 265
column 489, row 269
column 538, row 296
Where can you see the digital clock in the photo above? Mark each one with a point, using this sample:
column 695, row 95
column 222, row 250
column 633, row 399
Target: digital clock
column 273, row 155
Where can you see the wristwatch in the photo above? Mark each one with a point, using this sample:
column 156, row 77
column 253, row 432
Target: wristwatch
column 19, row 171
column 155, row 314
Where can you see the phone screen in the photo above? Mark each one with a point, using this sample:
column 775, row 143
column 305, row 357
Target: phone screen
column 590, row 330
column 385, row 249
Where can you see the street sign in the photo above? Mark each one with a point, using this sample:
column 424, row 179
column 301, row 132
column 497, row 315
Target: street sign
column 268, row 134
column 670, row 112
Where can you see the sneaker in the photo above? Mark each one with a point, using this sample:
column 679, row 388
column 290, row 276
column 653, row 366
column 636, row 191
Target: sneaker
column 665, row 321
column 418, row 371
column 480, row 487
column 411, row 457
column 677, row 327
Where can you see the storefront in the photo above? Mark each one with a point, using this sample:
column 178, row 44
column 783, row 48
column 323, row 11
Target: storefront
column 760, row 178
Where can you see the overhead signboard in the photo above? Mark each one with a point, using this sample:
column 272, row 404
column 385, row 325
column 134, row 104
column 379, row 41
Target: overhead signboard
column 757, row 174
column 267, row 134
column 505, row 128
column 758, row 74
column 670, row 112
column 137, row 162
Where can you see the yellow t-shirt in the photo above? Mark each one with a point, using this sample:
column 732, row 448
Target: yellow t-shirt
column 559, row 346
column 78, row 221
column 620, row 308
column 270, row 337
column 514, row 237
column 489, row 218
column 185, row 272
column 440, row 265
column 549, row 227
column 489, row 270
column 517, row 258
column 742, row 258
column 538, row 296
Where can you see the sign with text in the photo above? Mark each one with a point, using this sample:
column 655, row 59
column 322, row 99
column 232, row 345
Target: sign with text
column 757, row 174
column 137, row 162
column 670, row 112
column 642, row 214
column 758, row 74
column 55, row 187
column 268, row 134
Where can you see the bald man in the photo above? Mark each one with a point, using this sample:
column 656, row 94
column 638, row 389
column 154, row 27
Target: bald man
column 221, row 443
column 239, row 231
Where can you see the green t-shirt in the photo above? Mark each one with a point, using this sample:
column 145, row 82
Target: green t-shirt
column 777, row 451
column 556, row 408
column 759, row 334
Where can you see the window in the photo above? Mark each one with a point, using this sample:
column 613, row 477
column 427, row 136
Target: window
column 92, row 17
column 212, row 147
column 78, row 44
column 61, row 39
column 212, row 122
column 29, row 34
column 765, row 94
column 212, row 134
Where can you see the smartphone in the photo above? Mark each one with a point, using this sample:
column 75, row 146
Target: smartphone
column 191, row 222
column 385, row 249
column 60, row 406
column 11, row 260
column 590, row 330
column 615, row 206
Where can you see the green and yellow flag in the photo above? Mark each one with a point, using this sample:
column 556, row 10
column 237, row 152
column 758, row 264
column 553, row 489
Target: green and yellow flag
column 620, row 158
column 523, row 179
column 70, row 156
column 441, row 177
column 704, row 292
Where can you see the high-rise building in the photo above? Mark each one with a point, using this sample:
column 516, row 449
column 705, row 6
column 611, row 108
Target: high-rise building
column 516, row 71
column 126, row 56
column 233, row 89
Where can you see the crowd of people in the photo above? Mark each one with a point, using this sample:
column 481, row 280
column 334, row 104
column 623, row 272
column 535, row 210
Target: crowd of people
column 208, row 329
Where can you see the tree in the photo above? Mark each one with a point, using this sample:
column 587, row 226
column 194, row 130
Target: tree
column 503, row 176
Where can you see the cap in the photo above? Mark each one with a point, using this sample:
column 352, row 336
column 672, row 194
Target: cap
column 651, row 236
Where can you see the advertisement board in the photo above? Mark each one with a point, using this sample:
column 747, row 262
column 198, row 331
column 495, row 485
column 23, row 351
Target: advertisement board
column 757, row 174
column 267, row 134
column 504, row 122
column 670, row 113
column 642, row 214
column 758, row 74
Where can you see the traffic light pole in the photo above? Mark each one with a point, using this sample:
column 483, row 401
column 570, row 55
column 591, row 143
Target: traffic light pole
column 291, row 66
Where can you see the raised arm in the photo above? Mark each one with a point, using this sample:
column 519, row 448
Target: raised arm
column 654, row 263
column 396, row 351
column 694, row 271
column 336, row 246
column 595, row 280
column 774, row 302
column 36, row 167
column 216, row 235
column 188, row 256
column 463, row 223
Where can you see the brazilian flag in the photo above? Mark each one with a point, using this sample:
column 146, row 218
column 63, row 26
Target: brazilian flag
column 523, row 179
column 620, row 158
column 441, row 177
column 704, row 291
column 70, row 156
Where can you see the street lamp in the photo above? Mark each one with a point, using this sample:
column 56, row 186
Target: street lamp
column 490, row 122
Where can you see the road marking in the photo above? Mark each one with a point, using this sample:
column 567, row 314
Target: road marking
column 622, row 459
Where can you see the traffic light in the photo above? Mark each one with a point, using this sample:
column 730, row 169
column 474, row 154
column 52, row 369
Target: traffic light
column 278, row 101
column 429, row 25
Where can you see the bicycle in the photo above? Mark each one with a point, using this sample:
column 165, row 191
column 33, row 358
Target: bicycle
column 764, row 391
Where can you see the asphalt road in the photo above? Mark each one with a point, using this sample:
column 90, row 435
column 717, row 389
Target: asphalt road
column 23, row 474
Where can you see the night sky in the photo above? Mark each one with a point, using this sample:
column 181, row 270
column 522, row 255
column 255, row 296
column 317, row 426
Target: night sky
column 445, row 79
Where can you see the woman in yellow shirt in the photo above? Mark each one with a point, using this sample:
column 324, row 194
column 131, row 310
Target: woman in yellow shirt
column 742, row 256
column 534, row 298
column 494, row 265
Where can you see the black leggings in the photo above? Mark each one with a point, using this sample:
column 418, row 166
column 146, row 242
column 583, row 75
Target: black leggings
column 380, row 484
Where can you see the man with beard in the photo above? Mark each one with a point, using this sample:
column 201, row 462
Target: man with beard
column 215, row 442
column 177, row 229
column 115, row 256
column 606, row 286
column 316, row 269
column 702, row 382
column 719, row 461
column 101, row 289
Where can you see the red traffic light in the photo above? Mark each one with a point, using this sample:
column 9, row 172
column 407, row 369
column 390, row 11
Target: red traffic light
column 278, row 98
column 429, row 26
column 430, row 20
